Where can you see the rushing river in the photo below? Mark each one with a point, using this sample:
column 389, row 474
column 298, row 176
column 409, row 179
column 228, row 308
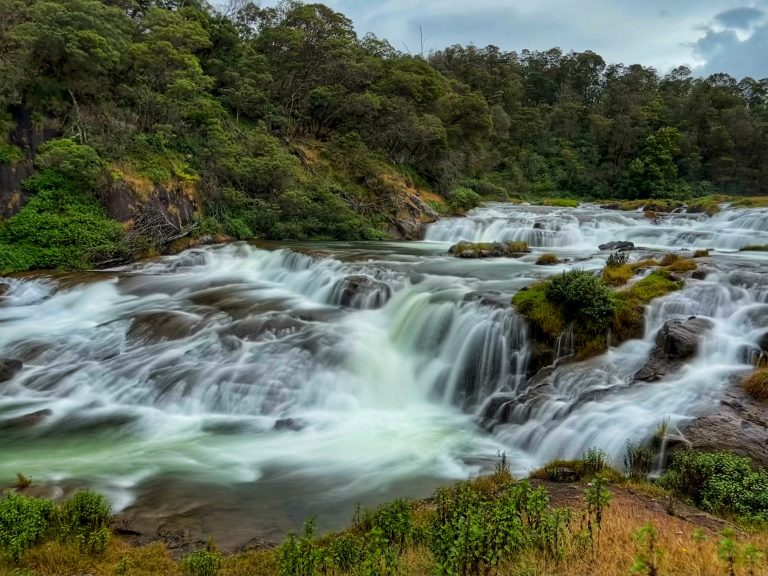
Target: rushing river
column 240, row 388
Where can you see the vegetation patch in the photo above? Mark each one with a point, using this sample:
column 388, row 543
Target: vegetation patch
column 755, row 248
column 561, row 202
column 548, row 259
column 701, row 253
column 628, row 320
column 683, row 265
column 10, row 153
column 756, row 384
column 719, row 482
column 513, row 249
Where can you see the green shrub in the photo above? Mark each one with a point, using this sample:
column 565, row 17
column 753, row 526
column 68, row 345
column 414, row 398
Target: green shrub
column 78, row 163
column 201, row 563
column 584, row 299
column 60, row 227
column 83, row 518
column 463, row 199
column 238, row 228
column 438, row 206
column 301, row 555
column 395, row 520
column 487, row 189
column 719, row 482
column 24, row 522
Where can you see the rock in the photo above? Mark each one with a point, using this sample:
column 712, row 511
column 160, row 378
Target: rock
column 739, row 425
column 159, row 326
column 361, row 292
column 700, row 274
column 677, row 341
column 278, row 325
column 491, row 298
column 620, row 246
column 486, row 250
column 25, row 421
column 288, row 424
column 9, row 368
column 4, row 289
column 763, row 342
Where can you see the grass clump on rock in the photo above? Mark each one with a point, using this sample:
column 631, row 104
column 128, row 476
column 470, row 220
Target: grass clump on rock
column 548, row 259
column 756, row 384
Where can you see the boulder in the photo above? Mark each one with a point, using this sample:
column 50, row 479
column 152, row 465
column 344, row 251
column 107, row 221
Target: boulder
column 676, row 342
column 362, row 292
column 739, row 425
column 487, row 250
column 8, row 368
column 4, row 289
column 26, row 420
column 618, row 245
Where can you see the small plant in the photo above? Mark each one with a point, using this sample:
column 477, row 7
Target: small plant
column 502, row 464
column 463, row 199
column 648, row 557
column 518, row 246
column 728, row 551
column 22, row 482
column 584, row 299
column 394, row 520
column 617, row 259
column 701, row 253
column 670, row 258
column 638, row 460
column 682, row 265
column 300, row 555
column 594, row 462
column 379, row 559
column 347, row 552
column 201, row 563
column 597, row 497
column 752, row 558
column 548, row 259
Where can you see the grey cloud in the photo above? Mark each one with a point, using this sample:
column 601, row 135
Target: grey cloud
column 725, row 52
column 740, row 18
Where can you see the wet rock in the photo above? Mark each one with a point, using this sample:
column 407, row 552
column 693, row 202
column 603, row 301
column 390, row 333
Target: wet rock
column 9, row 368
column 677, row 341
column 255, row 328
column 700, row 274
column 739, row 425
column 288, row 424
column 159, row 326
column 4, row 289
column 487, row 250
column 491, row 298
column 620, row 246
column 362, row 292
column 25, row 421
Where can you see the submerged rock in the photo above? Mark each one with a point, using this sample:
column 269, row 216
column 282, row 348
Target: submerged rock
column 9, row 368
column 159, row 326
column 491, row 298
column 489, row 249
column 620, row 246
column 362, row 292
column 677, row 341
column 25, row 421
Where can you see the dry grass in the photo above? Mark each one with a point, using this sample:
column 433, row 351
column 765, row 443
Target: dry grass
column 617, row 275
column 547, row 259
column 756, row 384
column 683, row 265
column 670, row 258
column 701, row 254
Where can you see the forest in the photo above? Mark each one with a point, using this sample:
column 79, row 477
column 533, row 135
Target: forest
column 284, row 123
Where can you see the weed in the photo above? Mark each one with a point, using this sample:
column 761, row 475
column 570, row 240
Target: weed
column 617, row 259
column 648, row 557
column 638, row 460
column 201, row 563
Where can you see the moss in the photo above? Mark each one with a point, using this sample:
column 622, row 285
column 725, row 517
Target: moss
column 709, row 205
column 10, row 154
column 561, row 202
column 543, row 314
column 547, row 259
column 756, row 384
column 628, row 321
column 488, row 249
column 683, row 265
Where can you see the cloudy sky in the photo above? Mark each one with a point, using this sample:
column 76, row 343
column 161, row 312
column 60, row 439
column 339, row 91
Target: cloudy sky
column 707, row 35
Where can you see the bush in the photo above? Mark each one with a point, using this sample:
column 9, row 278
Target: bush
column 548, row 259
column 76, row 162
column 617, row 260
column 60, row 227
column 83, row 518
column 584, row 300
column 10, row 153
column 638, row 460
column 463, row 199
column 756, row 384
column 719, row 482
column 238, row 228
column 395, row 520
column 201, row 563
column 24, row 522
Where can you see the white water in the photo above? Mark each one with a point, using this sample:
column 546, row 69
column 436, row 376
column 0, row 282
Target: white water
column 240, row 367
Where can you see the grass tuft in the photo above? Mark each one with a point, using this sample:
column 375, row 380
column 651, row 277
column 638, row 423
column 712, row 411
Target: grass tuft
column 756, row 384
column 548, row 259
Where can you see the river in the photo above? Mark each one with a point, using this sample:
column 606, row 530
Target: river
column 238, row 389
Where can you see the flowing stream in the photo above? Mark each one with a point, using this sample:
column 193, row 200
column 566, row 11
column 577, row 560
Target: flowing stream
column 238, row 389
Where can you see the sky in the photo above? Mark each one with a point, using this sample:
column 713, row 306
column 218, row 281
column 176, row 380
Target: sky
column 707, row 35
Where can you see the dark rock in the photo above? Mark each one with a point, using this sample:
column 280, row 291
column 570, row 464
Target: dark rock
column 700, row 274
column 611, row 206
column 8, row 368
column 763, row 342
column 620, row 246
column 485, row 250
column 25, row 421
column 288, row 424
column 491, row 298
column 739, row 425
column 158, row 326
column 362, row 292
column 4, row 289
column 677, row 341
column 254, row 328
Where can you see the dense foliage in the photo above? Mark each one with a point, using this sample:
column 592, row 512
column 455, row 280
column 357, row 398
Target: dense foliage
column 285, row 123
column 26, row 521
column 720, row 482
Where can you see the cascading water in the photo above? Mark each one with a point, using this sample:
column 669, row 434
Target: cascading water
column 258, row 386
